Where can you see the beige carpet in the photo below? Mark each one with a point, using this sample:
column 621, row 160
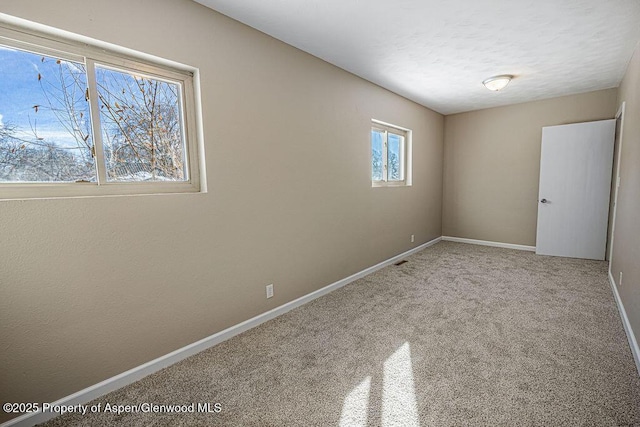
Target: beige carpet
column 460, row 335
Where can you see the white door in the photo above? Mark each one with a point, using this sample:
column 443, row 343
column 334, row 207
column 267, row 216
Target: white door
column 575, row 180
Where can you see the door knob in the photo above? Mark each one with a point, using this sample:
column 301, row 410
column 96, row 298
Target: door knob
column 543, row 201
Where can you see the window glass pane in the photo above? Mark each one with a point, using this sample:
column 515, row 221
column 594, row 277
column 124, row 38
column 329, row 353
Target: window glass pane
column 377, row 138
column 45, row 127
column 142, row 133
column 394, row 157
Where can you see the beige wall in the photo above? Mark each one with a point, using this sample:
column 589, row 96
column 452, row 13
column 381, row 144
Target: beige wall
column 626, row 240
column 492, row 164
column 92, row 287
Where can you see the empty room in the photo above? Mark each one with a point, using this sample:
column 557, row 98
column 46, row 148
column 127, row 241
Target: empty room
column 319, row 213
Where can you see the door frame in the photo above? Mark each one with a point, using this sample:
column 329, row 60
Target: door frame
column 619, row 115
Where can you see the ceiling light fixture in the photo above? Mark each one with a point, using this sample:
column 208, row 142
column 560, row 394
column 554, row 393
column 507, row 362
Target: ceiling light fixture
column 497, row 83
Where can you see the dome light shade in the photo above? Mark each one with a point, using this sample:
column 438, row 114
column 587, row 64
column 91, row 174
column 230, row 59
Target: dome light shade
column 497, row 83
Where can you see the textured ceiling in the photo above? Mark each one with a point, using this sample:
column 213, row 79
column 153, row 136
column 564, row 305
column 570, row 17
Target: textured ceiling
column 438, row 52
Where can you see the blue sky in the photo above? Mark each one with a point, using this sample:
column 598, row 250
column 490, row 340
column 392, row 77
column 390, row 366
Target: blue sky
column 20, row 90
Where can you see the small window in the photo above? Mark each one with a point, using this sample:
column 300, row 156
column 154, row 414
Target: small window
column 77, row 120
column 390, row 146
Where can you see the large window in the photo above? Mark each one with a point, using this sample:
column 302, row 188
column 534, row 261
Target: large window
column 390, row 148
column 78, row 120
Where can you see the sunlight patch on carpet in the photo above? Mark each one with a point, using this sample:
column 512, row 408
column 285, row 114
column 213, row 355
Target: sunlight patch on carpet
column 399, row 406
column 356, row 405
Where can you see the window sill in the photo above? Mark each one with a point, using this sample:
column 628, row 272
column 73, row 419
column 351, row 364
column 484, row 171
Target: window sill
column 91, row 189
column 377, row 184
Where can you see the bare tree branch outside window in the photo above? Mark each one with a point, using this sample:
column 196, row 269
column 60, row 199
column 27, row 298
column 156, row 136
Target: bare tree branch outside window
column 50, row 138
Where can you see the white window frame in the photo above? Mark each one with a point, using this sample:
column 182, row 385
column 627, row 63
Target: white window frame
column 405, row 157
column 92, row 53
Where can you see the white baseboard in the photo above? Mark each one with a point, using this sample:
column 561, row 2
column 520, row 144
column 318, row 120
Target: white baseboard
column 489, row 243
column 625, row 322
column 93, row 392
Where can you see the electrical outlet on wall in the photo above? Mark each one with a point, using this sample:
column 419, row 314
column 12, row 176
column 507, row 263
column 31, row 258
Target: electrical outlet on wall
column 270, row 290
column 413, row 238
